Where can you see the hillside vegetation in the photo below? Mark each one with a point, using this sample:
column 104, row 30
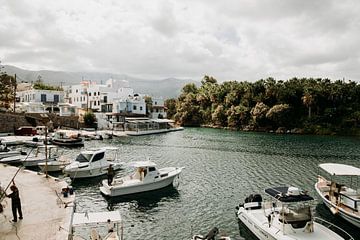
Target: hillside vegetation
column 306, row 105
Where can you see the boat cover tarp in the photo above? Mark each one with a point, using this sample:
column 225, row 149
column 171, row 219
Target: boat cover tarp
column 89, row 218
column 281, row 194
column 340, row 169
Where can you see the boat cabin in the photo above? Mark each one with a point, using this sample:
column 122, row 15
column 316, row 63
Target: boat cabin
column 146, row 171
column 295, row 210
column 94, row 155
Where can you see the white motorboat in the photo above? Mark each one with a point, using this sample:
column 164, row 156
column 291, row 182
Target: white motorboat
column 211, row 235
column 32, row 159
column 6, row 152
column 103, row 225
column 287, row 217
column 146, row 177
column 340, row 199
column 93, row 163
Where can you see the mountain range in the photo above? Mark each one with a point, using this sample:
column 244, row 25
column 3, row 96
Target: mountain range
column 167, row 88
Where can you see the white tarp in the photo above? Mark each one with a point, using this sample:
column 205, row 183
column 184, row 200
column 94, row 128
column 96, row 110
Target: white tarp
column 340, row 169
column 95, row 217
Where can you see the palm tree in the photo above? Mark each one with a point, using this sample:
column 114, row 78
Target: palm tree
column 308, row 100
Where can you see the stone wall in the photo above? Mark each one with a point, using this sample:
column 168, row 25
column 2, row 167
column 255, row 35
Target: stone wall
column 11, row 121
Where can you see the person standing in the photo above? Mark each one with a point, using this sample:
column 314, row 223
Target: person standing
column 110, row 174
column 15, row 203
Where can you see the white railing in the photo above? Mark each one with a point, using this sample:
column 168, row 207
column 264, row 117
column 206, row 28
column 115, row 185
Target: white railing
column 330, row 225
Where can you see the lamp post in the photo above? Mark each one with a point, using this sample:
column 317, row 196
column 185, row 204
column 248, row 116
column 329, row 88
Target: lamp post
column 48, row 124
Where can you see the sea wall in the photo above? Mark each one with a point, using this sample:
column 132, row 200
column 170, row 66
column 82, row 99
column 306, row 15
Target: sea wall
column 11, row 121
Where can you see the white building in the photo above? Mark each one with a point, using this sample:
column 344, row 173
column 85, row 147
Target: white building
column 39, row 101
column 113, row 96
column 158, row 108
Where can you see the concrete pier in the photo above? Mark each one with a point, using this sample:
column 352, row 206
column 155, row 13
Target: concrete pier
column 47, row 214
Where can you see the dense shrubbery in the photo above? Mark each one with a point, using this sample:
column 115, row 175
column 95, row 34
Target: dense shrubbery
column 317, row 106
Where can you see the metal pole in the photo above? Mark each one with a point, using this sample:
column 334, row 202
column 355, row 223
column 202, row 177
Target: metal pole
column 15, row 93
column 46, row 152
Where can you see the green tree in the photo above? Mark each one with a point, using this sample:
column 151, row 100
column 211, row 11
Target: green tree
column 89, row 119
column 170, row 105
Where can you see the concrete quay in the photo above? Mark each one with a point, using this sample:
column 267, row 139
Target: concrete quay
column 46, row 212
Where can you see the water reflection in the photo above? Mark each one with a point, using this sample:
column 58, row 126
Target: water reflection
column 143, row 202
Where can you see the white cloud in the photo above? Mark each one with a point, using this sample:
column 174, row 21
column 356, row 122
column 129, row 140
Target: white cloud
column 230, row 39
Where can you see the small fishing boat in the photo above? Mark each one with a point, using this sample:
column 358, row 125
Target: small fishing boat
column 211, row 235
column 109, row 224
column 342, row 200
column 93, row 163
column 6, row 152
column 32, row 159
column 66, row 139
column 146, row 177
column 288, row 216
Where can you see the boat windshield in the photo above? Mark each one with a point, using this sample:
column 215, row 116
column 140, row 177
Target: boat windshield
column 83, row 157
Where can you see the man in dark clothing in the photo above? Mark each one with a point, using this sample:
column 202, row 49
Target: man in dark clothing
column 15, row 203
column 110, row 174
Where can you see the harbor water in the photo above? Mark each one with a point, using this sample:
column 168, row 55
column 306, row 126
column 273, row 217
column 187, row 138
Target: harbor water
column 221, row 169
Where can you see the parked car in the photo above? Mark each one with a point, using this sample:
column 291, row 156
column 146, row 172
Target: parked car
column 25, row 131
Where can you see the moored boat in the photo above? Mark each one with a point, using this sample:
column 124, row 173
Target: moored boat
column 92, row 163
column 288, row 216
column 146, row 177
column 342, row 200
column 65, row 139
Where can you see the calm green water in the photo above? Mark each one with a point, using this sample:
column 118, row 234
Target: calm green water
column 221, row 169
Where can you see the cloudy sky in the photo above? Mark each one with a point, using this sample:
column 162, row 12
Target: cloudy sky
column 227, row 39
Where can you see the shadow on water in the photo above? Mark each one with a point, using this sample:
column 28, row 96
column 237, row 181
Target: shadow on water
column 145, row 201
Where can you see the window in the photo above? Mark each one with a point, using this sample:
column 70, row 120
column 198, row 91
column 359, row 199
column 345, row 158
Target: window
column 105, row 99
column 134, row 107
column 155, row 103
column 151, row 169
column 140, row 108
column 98, row 156
column 98, row 93
column 56, row 98
column 43, row 97
column 99, row 103
column 94, row 93
column 94, row 103
column 76, row 90
column 89, row 94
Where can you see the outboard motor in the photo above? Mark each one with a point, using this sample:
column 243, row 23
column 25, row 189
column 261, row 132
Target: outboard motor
column 210, row 236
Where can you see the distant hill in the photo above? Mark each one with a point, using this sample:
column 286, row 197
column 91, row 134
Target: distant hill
column 167, row 88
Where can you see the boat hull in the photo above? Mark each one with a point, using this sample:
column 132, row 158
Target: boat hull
column 119, row 190
column 259, row 226
column 88, row 172
column 53, row 166
column 68, row 142
column 351, row 218
column 154, row 131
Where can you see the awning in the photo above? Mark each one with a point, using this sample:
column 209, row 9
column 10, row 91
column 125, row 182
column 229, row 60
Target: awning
column 142, row 164
column 284, row 195
column 159, row 120
column 340, row 169
column 95, row 217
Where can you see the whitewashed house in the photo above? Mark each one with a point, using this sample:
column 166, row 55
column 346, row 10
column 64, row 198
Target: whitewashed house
column 39, row 101
column 158, row 108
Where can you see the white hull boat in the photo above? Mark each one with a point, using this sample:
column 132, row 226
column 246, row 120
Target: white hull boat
column 289, row 217
column 39, row 156
column 146, row 177
column 340, row 199
column 92, row 163
column 4, row 156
